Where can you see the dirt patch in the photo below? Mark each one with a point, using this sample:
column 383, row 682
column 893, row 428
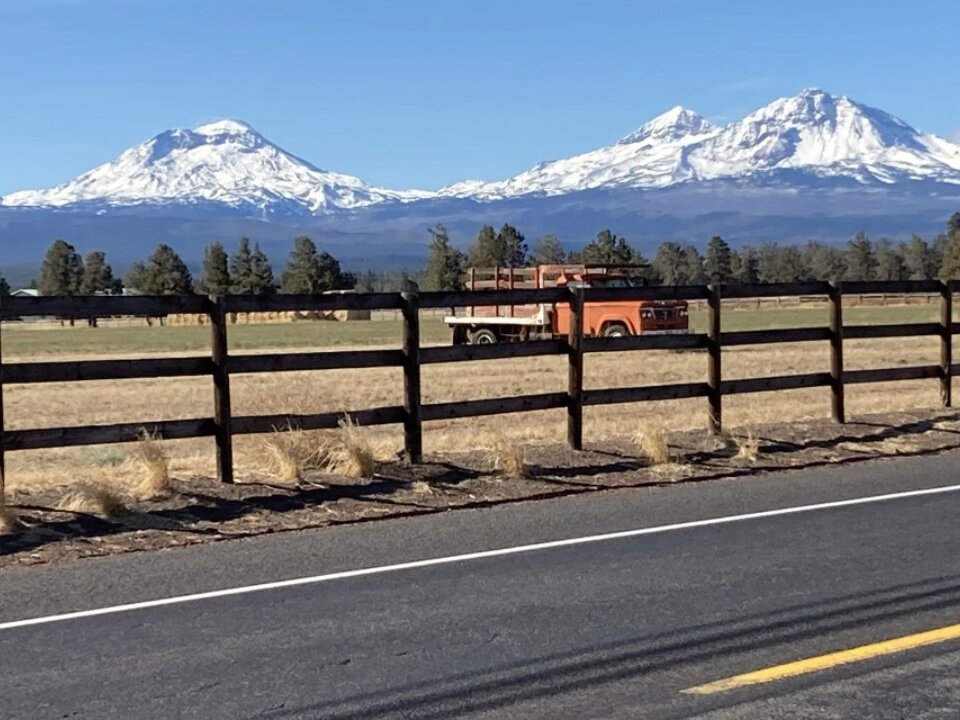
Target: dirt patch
column 198, row 509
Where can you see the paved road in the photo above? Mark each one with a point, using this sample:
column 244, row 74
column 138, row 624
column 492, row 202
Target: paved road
column 615, row 628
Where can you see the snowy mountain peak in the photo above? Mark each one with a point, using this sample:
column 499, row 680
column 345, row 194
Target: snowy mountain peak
column 225, row 127
column 676, row 122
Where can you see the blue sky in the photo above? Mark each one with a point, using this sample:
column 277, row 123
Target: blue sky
column 421, row 93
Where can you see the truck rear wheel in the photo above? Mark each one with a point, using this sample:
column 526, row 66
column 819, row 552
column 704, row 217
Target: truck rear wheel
column 615, row 330
column 483, row 336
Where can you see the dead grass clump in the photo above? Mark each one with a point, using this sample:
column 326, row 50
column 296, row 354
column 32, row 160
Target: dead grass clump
column 421, row 487
column 9, row 522
column 292, row 452
column 748, row 447
column 93, row 499
column 651, row 440
column 509, row 458
column 152, row 462
column 351, row 453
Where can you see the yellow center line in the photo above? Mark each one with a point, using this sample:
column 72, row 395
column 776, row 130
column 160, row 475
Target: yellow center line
column 831, row 660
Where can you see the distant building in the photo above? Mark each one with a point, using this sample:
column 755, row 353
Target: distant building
column 25, row 292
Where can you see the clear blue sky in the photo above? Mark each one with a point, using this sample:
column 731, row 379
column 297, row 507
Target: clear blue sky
column 421, row 93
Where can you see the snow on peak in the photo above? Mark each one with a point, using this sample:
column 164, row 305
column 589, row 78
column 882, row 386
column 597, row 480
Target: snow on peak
column 225, row 127
column 676, row 122
column 225, row 162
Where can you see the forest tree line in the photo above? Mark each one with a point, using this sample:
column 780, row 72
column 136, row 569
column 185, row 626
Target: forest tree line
column 248, row 271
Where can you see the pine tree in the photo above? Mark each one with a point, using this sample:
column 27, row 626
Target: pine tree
column 890, row 264
column 302, row 274
column 261, row 273
column 668, row 263
column 97, row 274
column 136, row 278
column 166, row 274
column 746, row 266
column 62, row 270
column 607, row 249
column 486, row 251
column 330, row 276
column 861, row 261
column 4, row 287
column 776, row 263
column 717, row 265
column 216, row 275
column 513, row 247
column 824, row 262
column 691, row 266
column 548, row 251
column 918, row 260
column 444, row 268
column 241, row 269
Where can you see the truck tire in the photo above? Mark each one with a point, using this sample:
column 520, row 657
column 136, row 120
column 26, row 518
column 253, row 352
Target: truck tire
column 616, row 330
column 483, row 336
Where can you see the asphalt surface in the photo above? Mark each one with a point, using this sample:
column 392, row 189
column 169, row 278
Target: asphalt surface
column 610, row 629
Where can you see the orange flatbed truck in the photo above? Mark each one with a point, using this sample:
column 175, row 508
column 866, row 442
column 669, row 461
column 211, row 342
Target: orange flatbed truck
column 514, row 323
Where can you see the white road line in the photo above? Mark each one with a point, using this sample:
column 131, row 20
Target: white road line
column 499, row 552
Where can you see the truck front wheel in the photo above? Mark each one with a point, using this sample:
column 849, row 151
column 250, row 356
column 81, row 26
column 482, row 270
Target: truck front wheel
column 615, row 330
column 483, row 336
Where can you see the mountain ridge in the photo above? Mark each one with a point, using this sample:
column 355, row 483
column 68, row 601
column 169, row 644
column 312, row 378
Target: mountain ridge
column 813, row 139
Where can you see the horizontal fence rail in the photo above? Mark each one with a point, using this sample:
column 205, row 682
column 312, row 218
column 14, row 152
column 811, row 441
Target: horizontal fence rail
column 220, row 365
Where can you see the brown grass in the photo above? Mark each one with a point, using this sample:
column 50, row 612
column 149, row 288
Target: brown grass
column 748, row 446
column 151, row 461
column 93, row 499
column 9, row 522
column 651, row 441
column 292, row 452
column 351, row 452
column 344, row 391
column 509, row 458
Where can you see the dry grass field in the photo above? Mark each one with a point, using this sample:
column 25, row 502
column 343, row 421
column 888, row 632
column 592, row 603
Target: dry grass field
column 345, row 390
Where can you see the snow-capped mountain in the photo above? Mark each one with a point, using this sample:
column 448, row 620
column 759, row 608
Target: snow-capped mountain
column 227, row 163
column 813, row 141
column 814, row 133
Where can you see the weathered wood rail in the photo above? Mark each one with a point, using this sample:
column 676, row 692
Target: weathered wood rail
column 220, row 365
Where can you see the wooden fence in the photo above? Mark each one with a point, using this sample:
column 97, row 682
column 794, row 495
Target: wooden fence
column 220, row 365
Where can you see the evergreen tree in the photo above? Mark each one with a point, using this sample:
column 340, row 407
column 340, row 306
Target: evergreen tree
column 668, row 263
column 241, row 269
column 486, row 251
column 444, row 268
column 136, row 278
column 62, row 270
column 861, row 261
column 261, row 273
column 718, row 263
column 548, row 251
column 950, row 263
column 776, row 263
column 4, row 287
column 166, row 274
column 691, row 266
column 607, row 249
column 746, row 266
column 302, row 274
column 890, row 264
column 513, row 247
column 216, row 275
column 824, row 262
column 97, row 274
column 917, row 258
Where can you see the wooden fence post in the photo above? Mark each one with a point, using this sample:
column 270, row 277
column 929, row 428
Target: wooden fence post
column 837, row 410
column 413, row 414
column 714, row 372
column 946, row 344
column 221, row 389
column 575, row 373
